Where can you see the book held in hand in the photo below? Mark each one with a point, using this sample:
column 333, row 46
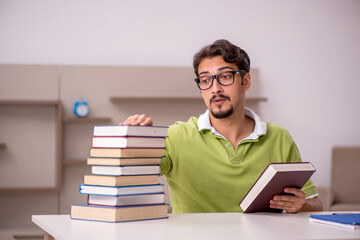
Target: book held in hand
column 118, row 214
column 125, row 170
column 344, row 220
column 128, row 142
column 272, row 181
column 121, row 190
column 127, row 200
column 129, row 130
column 123, row 161
column 127, row 152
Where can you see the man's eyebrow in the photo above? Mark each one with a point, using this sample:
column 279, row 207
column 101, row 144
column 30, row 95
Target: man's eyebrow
column 222, row 68
column 219, row 69
column 204, row 72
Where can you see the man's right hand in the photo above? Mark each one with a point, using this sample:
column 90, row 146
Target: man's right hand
column 137, row 119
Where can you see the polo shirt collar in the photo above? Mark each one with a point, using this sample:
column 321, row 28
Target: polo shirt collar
column 259, row 130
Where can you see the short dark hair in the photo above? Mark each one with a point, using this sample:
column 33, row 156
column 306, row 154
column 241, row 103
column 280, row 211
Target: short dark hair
column 229, row 52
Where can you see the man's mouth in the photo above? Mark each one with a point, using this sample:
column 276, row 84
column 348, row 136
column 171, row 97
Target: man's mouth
column 219, row 100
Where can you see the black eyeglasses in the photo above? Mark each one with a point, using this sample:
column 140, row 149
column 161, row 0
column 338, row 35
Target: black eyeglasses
column 224, row 79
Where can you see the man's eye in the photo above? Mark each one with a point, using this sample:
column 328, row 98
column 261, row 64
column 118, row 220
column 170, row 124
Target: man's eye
column 204, row 80
column 226, row 76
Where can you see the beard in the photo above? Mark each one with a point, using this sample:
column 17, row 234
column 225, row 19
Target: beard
column 221, row 113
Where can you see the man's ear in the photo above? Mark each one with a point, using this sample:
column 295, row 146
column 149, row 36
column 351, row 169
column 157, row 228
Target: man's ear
column 247, row 81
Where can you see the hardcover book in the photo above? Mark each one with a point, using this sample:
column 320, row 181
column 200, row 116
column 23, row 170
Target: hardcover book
column 128, row 130
column 345, row 220
column 125, row 170
column 127, row 152
column 127, row 200
column 103, row 180
column 123, row 161
column 272, row 181
column 128, row 142
column 118, row 214
column 121, row 190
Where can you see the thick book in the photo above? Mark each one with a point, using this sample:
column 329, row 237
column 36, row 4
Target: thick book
column 127, row 200
column 120, row 190
column 128, row 130
column 345, row 220
column 125, row 170
column 123, row 161
column 118, row 214
column 128, row 142
column 272, row 181
column 103, row 180
column 126, row 152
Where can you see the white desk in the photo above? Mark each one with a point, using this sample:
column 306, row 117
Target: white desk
column 195, row 226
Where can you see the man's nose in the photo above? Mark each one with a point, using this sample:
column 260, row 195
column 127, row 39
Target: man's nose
column 216, row 87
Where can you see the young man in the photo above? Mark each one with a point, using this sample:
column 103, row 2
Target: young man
column 211, row 162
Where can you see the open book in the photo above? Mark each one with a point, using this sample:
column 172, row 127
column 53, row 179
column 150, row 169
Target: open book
column 272, row 181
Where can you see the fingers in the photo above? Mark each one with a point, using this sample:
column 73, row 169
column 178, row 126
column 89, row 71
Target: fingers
column 290, row 203
column 286, row 207
column 297, row 192
column 147, row 122
column 127, row 121
column 137, row 119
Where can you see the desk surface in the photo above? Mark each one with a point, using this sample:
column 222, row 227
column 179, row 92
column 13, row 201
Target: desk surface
column 197, row 226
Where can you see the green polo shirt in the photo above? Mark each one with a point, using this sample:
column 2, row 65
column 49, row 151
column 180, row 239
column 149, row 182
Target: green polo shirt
column 206, row 174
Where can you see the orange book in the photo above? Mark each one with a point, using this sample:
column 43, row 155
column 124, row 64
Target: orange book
column 104, row 180
column 118, row 214
column 126, row 152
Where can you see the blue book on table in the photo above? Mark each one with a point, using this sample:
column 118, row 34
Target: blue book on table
column 347, row 220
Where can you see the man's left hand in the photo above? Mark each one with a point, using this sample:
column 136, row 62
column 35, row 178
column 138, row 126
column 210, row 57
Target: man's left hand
column 290, row 203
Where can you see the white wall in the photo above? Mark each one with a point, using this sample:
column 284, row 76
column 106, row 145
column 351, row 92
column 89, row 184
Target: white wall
column 308, row 52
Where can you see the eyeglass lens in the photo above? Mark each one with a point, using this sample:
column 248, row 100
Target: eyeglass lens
column 225, row 79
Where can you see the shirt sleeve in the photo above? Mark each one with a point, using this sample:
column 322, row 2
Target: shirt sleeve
column 170, row 149
column 294, row 156
column 166, row 164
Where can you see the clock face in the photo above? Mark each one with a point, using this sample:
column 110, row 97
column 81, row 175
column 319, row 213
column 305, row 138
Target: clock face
column 82, row 110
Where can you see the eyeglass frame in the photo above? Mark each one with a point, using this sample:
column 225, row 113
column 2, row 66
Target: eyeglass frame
column 241, row 72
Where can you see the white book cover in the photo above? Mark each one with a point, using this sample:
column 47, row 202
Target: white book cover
column 125, row 170
column 120, row 190
column 129, row 200
column 128, row 142
column 128, row 130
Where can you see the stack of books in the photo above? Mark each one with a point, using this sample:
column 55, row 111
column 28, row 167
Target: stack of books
column 124, row 184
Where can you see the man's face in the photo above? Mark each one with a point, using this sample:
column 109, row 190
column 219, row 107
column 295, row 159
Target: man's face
column 223, row 101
